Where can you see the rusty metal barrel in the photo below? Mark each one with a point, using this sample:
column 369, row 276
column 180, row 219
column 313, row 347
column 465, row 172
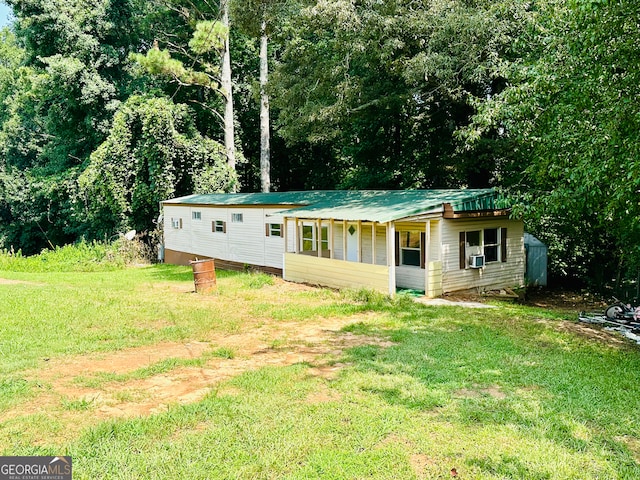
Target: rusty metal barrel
column 204, row 275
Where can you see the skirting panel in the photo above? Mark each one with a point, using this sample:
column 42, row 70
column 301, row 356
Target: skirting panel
column 174, row 257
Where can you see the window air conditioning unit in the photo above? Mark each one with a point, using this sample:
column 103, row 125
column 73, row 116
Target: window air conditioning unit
column 476, row 261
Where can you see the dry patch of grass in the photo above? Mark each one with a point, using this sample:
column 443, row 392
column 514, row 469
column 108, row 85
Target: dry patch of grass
column 8, row 281
column 85, row 390
column 633, row 444
column 493, row 391
column 62, row 369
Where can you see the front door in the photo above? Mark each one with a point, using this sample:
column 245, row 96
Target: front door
column 352, row 242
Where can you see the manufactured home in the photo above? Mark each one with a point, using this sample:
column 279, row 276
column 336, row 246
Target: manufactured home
column 436, row 241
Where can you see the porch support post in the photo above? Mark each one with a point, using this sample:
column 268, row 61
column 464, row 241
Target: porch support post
column 427, row 258
column 373, row 243
column 359, row 258
column 391, row 256
column 331, row 242
column 344, row 240
column 319, row 223
column 284, row 234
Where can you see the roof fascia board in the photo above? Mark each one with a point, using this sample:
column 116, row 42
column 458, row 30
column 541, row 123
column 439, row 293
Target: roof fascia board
column 419, row 218
column 427, row 215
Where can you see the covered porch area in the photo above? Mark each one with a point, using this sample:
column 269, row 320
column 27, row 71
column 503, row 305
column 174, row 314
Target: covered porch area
column 357, row 253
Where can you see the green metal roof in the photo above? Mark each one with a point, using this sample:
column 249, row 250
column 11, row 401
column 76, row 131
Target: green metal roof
column 252, row 199
column 366, row 205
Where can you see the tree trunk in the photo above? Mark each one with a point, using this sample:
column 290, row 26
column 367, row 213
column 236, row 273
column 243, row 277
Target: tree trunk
column 265, row 149
column 225, row 83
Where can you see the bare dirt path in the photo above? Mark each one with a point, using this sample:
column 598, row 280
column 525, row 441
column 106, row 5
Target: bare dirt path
column 87, row 389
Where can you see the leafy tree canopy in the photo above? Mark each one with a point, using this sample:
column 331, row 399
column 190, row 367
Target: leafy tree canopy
column 153, row 152
column 571, row 110
column 388, row 84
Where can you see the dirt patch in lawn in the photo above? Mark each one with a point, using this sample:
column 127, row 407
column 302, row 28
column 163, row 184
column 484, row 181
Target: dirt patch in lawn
column 567, row 300
column 633, row 444
column 6, row 281
column 594, row 333
column 90, row 388
column 323, row 395
column 421, row 464
column 117, row 363
column 493, row 391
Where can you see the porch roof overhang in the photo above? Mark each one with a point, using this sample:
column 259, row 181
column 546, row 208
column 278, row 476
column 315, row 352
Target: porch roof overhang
column 394, row 205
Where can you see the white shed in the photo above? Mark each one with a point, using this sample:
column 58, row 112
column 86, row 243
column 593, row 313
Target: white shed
column 536, row 266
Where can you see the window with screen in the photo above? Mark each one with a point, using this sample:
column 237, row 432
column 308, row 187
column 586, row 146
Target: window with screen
column 491, row 245
column 410, row 248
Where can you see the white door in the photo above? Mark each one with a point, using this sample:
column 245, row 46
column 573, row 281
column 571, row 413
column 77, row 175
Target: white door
column 352, row 242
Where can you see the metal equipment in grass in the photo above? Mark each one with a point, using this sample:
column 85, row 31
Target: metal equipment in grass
column 204, row 275
column 618, row 317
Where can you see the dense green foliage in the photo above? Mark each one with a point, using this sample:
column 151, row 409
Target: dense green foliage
column 539, row 97
column 572, row 113
column 153, row 152
column 385, row 85
column 81, row 257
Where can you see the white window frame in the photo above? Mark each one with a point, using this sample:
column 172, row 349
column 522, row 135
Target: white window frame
column 312, row 239
column 196, row 215
column 324, row 237
column 275, row 229
column 237, row 218
column 497, row 245
column 480, row 248
column 308, row 241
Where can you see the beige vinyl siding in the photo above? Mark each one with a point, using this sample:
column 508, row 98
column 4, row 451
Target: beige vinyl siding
column 335, row 273
column 410, row 277
column 434, row 283
column 367, row 245
column 494, row 275
column 381, row 245
column 291, row 231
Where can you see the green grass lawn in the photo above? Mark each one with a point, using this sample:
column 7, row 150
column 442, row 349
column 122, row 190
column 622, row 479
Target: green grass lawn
column 511, row 392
